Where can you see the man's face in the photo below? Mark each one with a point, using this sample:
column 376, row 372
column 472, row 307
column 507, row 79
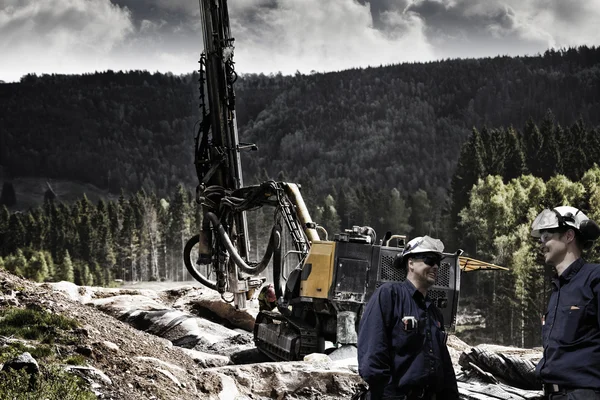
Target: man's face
column 553, row 247
column 424, row 268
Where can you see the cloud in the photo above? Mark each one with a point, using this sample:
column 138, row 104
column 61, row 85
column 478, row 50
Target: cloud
column 75, row 36
column 58, row 35
column 320, row 35
column 478, row 28
column 380, row 10
column 572, row 22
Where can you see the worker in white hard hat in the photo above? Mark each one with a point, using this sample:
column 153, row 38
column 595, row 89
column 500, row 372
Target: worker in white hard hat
column 570, row 366
column 402, row 351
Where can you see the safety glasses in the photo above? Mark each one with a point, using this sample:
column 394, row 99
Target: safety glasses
column 547, row 235
column 429, row 259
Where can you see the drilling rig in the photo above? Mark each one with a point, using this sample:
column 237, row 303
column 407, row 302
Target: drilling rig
column 330, row 281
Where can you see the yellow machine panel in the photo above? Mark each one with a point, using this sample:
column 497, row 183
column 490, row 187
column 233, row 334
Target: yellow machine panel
column 317, row 272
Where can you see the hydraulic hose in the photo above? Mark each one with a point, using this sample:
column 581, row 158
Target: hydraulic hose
column 277, row 272
column 274, row 242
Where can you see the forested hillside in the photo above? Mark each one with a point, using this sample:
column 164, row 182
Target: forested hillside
column 358, row 135
column 114, row 130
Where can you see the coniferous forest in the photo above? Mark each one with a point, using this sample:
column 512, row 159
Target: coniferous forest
column 465, row 150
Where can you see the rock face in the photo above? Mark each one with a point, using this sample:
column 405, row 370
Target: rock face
column 187, row 343
column 286, row 380
column 23, row 361
column 498, row 372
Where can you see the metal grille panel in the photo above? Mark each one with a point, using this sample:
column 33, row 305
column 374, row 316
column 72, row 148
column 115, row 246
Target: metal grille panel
column 387, row 272
column 443, row 276
column 436, row 294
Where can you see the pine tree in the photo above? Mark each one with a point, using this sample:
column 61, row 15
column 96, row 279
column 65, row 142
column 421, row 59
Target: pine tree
column 514, row 156
column 152, row 235
column 37, row 229
column 549, row 155
column 329, row 218
column 103, row 252
column 421, row 214
column 82, row 275
column 87, row 234
column 399, row 214
column 533, row 141
column 49, row 263
column 107, row 277
column 163, row 226
column 469, row 169
column 141, row 207
column 37, row 269
column 494, row 150
column 593, row 145
column 57, row 233
column 4, row 233
column 362, row 211
column 128, row 242
column 343, row 209
column 64, row 270
column 4, row 216
column 17, row 234
column 114, row 219
column 72, row 240
column 178, row 232
column 354, row 213
column 17, row 263
column 97, row 276
column 574, row 150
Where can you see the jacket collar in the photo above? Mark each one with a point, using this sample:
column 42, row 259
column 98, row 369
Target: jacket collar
column 572, row 269
column 415, row 294
column 568, row 273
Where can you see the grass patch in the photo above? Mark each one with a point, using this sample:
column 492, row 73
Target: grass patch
column 34, row 324
column 13, row 349
column 52, row 383
column 76, row 359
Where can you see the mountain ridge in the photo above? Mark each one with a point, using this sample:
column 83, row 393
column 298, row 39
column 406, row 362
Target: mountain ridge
column 382, row 128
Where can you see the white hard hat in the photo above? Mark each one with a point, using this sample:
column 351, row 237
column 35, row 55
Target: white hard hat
column 423, row 244
column 564, row 216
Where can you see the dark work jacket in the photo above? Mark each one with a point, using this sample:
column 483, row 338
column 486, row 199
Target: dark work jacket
column 571, row 329
column 394, row 360
column 263, row 303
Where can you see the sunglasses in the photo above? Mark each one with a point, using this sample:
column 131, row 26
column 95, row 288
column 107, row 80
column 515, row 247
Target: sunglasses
column 429, row 259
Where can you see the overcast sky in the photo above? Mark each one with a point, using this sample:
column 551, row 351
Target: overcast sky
column 76, row 36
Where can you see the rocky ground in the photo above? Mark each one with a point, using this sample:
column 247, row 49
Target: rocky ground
column 185, row 342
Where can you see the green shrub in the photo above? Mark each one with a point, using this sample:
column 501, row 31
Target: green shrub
column 52, row 383
column 34, row 324
column 13, row 349
column 76, row 359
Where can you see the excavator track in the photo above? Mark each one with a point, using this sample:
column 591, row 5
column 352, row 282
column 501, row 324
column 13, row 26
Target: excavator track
column 284, row 338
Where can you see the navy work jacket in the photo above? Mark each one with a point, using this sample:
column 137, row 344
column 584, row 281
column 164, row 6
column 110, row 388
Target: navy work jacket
column 571, row 329
column 395, row 358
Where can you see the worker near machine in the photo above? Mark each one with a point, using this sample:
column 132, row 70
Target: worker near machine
column 570, row 366
column 402, row 351
column 267, row 300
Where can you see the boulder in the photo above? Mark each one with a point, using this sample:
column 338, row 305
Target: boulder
column 23, row 361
